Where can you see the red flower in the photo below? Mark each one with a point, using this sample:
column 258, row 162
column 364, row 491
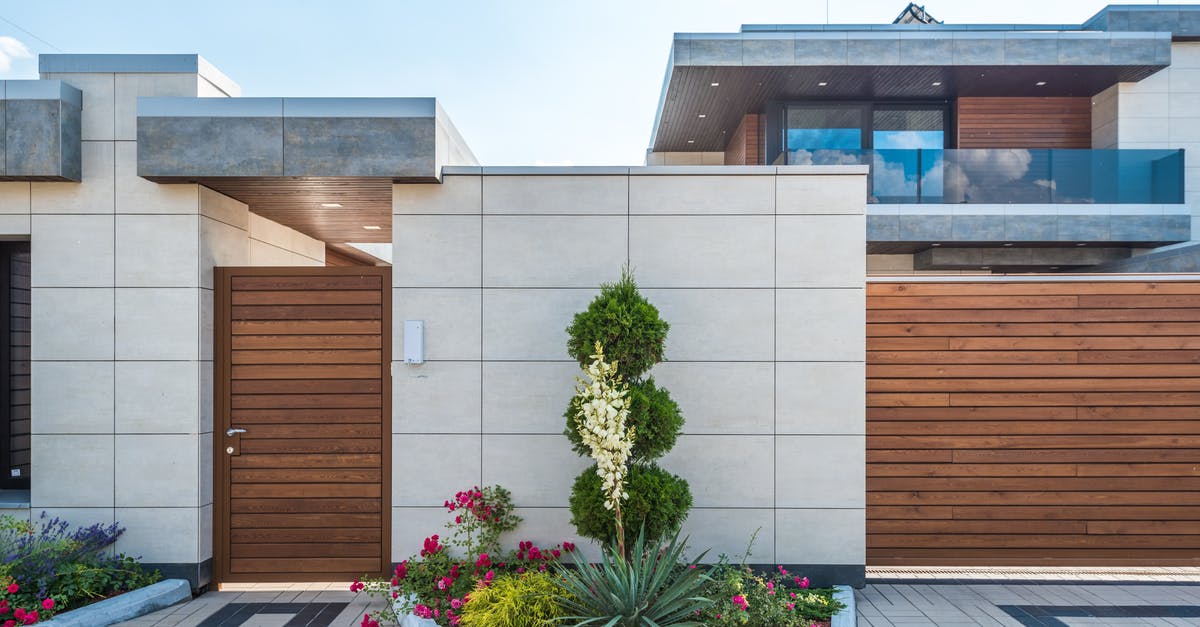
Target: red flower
column 30, row 618
column 357, row 586
column 10, row 623
column 13, row 588
column 367, row 622
column 48, row 604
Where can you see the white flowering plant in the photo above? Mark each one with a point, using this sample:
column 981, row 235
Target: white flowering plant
column 602, row 401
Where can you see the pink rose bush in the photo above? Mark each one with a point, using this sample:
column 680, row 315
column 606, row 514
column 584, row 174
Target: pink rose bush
column 742, row 596
column 437, row 582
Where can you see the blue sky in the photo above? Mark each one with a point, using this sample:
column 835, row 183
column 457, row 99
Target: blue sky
column 526, row 82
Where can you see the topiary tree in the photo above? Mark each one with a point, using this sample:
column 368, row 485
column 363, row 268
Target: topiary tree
column 633, row 335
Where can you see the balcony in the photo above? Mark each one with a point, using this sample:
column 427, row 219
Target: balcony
column 999, row 176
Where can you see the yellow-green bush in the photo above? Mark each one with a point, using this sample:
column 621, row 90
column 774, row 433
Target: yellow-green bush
column 522, row 601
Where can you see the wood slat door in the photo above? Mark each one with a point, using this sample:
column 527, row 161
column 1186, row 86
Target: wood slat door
column 1033, row 423
column 302, row 360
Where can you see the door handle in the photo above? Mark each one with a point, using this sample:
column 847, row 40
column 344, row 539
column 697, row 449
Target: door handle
column 234, row 431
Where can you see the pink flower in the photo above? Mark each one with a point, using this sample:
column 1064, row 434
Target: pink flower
column 422, row 611
column 48, row 604
column 791, row 606
column 30, row 618
column 782, row 570
column 444, row 583
column 770, row 587
column 740, row 601
column 357, row 586
column 455, row 603
column 804, row 582
column 13, row 588
column 368, row 622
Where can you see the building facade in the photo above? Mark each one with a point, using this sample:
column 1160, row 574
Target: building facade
column 183, row 360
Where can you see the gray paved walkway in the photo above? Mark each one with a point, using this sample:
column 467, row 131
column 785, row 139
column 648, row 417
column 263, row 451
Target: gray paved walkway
column 908, row 602
column 912, row 603
column 265, row 605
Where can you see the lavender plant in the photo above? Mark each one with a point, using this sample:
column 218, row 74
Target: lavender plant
column 51, row 559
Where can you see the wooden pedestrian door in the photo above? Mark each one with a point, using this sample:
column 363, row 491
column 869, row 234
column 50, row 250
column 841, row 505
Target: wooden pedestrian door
column 301, row 452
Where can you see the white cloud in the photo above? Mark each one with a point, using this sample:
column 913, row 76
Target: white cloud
column 10, row 49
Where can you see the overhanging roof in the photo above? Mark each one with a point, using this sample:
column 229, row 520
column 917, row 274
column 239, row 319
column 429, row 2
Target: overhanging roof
column 902, row 61
column 323, row 166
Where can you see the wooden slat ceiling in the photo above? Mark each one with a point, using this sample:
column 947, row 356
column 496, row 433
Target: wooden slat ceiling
column 743, row 90
column 296, row 202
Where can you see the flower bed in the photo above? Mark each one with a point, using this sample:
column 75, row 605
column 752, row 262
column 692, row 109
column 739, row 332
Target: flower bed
column 47, row 568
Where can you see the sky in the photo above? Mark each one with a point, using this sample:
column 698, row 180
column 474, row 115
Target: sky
column 527, row 82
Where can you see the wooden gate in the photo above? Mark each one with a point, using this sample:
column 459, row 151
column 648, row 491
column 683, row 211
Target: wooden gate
column 302, row 406
column 1033, row 423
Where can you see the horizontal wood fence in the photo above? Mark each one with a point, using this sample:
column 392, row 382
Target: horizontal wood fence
column 1033, row 423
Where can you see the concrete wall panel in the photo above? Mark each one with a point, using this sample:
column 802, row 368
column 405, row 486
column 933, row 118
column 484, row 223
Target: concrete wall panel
column 760, row 276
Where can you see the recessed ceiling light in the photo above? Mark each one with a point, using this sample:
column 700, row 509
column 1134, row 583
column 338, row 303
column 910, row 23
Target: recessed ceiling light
column 372, row 227
column 1041, row 83
column 1081, row 244
column 822, row 84
column 714, row 84
column 691, row 141
column 985, row 267
column 935, row 244
column 331, row 205
column 937, row 83
column 702, row 116
column 1008, row 244
column 1053, row 267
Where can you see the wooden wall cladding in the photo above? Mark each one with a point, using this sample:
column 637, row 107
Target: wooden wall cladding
column 745, row 145
column 1033, row 423
column 302, row 365
column 1024, row 122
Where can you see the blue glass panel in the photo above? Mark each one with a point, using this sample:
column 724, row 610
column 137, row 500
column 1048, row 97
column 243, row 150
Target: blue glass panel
column 908, row 140
column 1014, row 175
column 817, row 138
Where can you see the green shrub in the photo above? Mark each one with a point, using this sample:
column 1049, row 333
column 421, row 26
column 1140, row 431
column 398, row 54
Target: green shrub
column 654, row 416
column 625, row 323
column 658, row 502
column 528, row 600
column 654, row 587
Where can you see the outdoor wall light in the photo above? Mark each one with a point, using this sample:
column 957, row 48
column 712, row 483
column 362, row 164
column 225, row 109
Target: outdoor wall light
column 414, row 341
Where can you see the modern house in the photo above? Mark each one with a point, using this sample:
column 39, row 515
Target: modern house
column 197, row 352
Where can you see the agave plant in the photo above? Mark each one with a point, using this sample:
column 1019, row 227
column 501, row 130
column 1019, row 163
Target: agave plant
column 652, row 588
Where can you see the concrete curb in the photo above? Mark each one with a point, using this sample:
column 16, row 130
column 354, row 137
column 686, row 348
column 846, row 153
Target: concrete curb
column 125, row 606
column 849, row 616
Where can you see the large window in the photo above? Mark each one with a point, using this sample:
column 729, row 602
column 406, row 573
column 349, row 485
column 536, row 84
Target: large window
column 908, row 143
column 901, row 141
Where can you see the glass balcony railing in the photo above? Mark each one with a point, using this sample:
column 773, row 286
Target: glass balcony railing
column 1012, row 175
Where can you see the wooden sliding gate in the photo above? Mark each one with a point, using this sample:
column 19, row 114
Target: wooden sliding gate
column 1033, row 423
column 301, row 444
